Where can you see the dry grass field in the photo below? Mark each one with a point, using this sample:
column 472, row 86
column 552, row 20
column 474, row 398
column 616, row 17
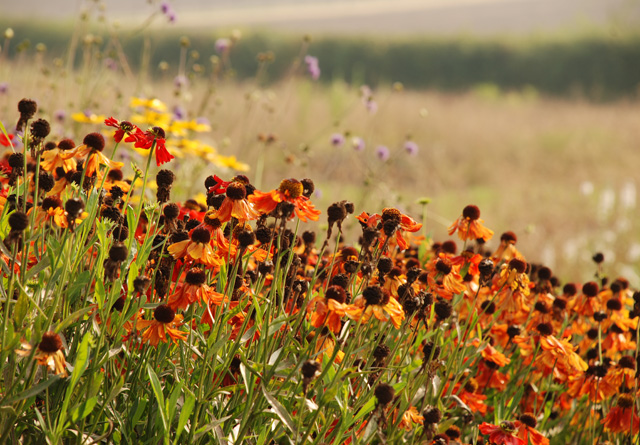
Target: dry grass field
column 559, row 173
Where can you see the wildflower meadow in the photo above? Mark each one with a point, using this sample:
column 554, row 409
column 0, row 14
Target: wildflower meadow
column 158, row 286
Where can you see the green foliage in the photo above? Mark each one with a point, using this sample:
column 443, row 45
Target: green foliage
column 587, row 64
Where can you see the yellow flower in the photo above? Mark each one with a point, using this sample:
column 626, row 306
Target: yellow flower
column 154, row 104
column 88, row 119
column 232, row 163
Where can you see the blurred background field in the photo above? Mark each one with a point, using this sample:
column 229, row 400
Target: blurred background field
column 527, row 109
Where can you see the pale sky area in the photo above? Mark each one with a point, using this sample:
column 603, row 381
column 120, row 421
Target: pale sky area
column 355, row 16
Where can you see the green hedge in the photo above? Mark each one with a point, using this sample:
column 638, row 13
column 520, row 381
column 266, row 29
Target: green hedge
column 593, row 65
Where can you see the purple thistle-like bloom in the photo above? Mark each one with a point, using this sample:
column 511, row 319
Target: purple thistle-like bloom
column 312, row 67
column 4, row 87
column 60, row 115
column 382, row 153
column 358, row 143
column 222, row 45
column 180, row 81
column 337, row 139
column 178, row 113
column 110, row 64
column 411, row 148
column 168, row 11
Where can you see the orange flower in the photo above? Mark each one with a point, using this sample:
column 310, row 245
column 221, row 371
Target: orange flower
column 325, row 346
column 469, row 225
column 593, row 384
column 444, row 278
column 559, row 357
column 328, row 310
column 507, row 248
column 165, row 322
column 527, row 431
column 194, row 290
column 92, row 145
column 503, row 433
column 196, row 248
column 48, row 353
column 410, row 418
column 290, row 190
column 379, row 303
column 61, row 156
column 236, row 205
column 392, row 222
column 622, row 418
column 51, row 211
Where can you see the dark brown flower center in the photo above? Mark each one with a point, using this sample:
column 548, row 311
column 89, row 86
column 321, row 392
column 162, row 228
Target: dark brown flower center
column 164, row 314
column 50, row 343
column 292, row 188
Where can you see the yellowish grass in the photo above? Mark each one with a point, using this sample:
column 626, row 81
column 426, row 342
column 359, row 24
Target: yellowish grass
column 523, row 159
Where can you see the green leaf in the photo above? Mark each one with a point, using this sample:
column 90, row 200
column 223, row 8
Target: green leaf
column 99, row 292
column 20, row 309
column 34, row 390
column 82, row 360
column 185, row 412
column 280, row 410
column 72, row 318
column 172, row 401
column 157, row 391
column 83, row 410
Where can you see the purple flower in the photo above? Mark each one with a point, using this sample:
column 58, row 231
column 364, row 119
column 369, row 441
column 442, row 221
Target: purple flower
column 180, row 81
column 357, row 143
column 372, row 106
column 4, row 87
column 110, row 64
column 382, row 153
column 222, row 45
column 178, row 113
column 60, row 115
column 312, row 67
column 168, row 11
column 411, row 148
column 337, row 140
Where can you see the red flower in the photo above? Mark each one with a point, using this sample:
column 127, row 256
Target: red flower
column 503, row 433
column 145, row 140
column 4, row 140
column 123, row 128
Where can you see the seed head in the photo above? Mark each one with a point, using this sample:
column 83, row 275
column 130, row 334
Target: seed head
column 164, row 314
column 471, row 212
column 384, row 393
column 95, row 141
column 50, row 343
column 18, row 221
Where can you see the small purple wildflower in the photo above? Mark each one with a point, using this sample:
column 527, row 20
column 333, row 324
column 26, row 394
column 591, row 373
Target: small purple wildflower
column 382, row 153
column 60, row 115
column 312, row 67
column 411, row 148
column 179, row 113
column 372, row 106
column 222, row 45
column 4, row 87
column 110, row 64
column 180, row 81
column 168, row 11
column 358, row 143
column 337, row 139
